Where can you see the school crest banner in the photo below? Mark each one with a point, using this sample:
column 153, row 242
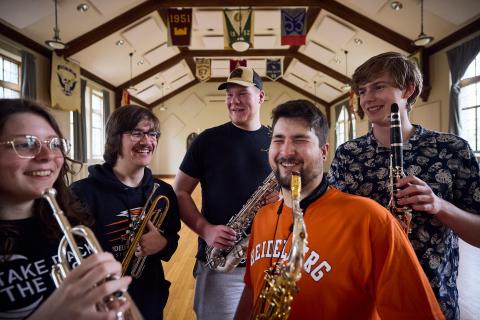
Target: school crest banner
column 65, row 84
column 203, row 69
column 237, row 25
column 179, row 27
column 234, row 64
column 293, row 26
column 274, row 69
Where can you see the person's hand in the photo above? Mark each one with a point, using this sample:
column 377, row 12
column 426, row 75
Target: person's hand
column 83, row 288
column 219, row 236
column 418, row 195
column 151, row 242
column 271, row 197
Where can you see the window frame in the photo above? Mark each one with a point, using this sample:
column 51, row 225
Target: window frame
column 11, row 85
column 345, row 124
column 464, row 82
column 91, row 92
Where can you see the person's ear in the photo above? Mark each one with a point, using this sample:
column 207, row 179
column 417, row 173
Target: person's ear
column 261, row 96
column 408, row 91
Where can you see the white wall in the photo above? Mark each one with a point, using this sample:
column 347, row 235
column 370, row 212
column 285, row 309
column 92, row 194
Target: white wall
column 194, row 111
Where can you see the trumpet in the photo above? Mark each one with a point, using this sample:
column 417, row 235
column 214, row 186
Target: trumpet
column 148, row 213
column 62, row 268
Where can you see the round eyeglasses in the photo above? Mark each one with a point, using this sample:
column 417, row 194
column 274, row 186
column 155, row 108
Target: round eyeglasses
column 137, row 135
column 28, row 147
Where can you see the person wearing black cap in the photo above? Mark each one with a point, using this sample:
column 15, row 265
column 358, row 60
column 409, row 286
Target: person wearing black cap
column 230, row 161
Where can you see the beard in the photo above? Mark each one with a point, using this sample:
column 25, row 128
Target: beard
column 285, row 180
column 307, row 174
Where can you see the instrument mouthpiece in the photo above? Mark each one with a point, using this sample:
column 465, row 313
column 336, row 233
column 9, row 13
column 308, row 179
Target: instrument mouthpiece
column 394, row 108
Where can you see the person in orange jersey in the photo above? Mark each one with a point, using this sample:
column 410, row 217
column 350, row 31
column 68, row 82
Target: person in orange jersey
column 358, row 263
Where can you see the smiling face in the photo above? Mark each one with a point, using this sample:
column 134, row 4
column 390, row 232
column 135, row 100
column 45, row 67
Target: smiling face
column 243, row 105
column 377, row 96
column 24, row 180
column 295, row 147
column 139, row 153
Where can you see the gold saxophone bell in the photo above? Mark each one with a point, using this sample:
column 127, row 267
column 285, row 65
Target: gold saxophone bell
column 59, row 271
column 148, row 213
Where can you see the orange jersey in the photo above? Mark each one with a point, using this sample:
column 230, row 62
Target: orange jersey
column 358, row 265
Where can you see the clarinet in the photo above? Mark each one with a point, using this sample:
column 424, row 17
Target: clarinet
column 403, row 213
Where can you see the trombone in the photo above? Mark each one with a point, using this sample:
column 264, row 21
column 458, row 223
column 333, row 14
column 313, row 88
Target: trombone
column 62, row 268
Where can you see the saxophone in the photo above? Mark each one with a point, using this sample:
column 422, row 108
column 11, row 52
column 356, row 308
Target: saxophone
column 404, row 214
column 280, row 282
column 225, row 260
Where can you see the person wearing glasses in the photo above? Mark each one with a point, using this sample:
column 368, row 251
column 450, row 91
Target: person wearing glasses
column 115, row 193
column 34, row 157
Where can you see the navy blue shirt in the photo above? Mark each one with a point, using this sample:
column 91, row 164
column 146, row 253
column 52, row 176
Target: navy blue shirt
column 447, row 164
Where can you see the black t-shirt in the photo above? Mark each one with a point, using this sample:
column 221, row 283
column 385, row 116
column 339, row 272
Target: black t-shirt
column 25, row 281
column 230, row 164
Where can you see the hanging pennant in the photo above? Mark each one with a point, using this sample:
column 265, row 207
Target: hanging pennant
column 203, row 69
column 237, row 26
column 274, row 69
column 234, row 64
column 294, row 26
column 65, row 84
column 179, row 27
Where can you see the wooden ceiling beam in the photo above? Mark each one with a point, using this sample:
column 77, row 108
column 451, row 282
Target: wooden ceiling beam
column 173, row 93
column 454, row 37
column 233, row 53
column 321, row 67
column 303, row 92
column 25, row 41
column 337, row 100
column 112, row 26
column 368, row 25
column 152, row 71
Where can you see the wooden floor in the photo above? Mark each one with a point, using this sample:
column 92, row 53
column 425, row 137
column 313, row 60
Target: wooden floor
column 179, row 272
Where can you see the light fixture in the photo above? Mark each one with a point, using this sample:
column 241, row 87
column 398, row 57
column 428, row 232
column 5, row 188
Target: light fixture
column 162, row 106
column 131, row 89
column 346, row 86
column 422, row 39
column 396, row 5
column 56, row 43
column 240, row 44
column 120, row 42
column 83, row 7
column 358, row 41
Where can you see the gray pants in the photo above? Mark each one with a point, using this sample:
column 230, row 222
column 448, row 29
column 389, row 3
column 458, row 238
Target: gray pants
column 217, row 293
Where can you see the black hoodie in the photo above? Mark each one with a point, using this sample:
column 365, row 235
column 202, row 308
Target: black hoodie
column 114, row 205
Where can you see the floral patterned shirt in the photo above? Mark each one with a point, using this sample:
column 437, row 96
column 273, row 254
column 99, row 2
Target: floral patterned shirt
column 448, row 165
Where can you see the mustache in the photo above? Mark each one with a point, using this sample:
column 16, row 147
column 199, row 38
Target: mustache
column 289, row 159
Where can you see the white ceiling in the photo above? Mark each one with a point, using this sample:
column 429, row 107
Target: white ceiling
column 146, row 37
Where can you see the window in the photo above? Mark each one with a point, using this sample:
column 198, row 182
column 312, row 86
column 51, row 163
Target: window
column 95, row 124
column 9, row 77
column 469, row 101
column 343, row 127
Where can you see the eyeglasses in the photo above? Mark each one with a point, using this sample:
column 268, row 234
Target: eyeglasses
column 28, row 147
column 137, row 135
